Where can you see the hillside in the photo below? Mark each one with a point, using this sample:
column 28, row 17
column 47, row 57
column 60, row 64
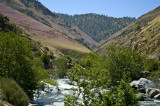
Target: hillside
column 99, row 27
column 36, row 10
column 142, row 35
column 7, row 26
column 53, row 39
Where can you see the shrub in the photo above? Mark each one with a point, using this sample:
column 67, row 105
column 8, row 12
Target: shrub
column 138, row 28
column 41, row 73
column 121, row 60
column 46, row 60
column 16, row 61
column 62, row 66
column 122, row 95
column 13, row 93
column 95, row 74
column 152, row 65
column 155, row 75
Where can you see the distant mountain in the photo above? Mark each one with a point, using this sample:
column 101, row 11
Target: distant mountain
column 47, row 36
column 36, row 10
column 99, row 27
column 143, row 35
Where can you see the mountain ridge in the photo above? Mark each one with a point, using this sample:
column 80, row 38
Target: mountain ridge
column 41, row 32
column 127, row 36
column 99, row 27
column 36, row 10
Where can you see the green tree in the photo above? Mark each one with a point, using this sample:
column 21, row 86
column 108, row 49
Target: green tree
column 91, row 79
column 61, row 66
column 121, row 60
column 46, row 60
column 122, row 95
column 16, row 61
column 95, row 74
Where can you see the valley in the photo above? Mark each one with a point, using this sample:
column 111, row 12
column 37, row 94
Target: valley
column 56, row 59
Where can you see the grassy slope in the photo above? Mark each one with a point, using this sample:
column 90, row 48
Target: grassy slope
column 148, row 39
column 37, row 11
column 42, row 33
column 126, row 36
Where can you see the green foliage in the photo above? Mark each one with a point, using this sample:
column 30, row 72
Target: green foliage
column 13, row 93
column 41, row 73
column 47, row 80
column 138, row 28
column 74, row 54
column 97, row 26
column 152, row 65
column 121, row 60
column 155, row 75
column 7, row 26
column 96, row 74
column 89, row 76
column 122, row 95
column 61, row 66
column 45, row 58
column 16, row 61
column 91, row 88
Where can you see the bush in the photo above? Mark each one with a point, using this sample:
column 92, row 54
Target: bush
column 122, row 95
column 121, row 60
column 138, row 28
column 62, row 66
column 46, row 60
column 152, row 65
column 16, row 61
column 41, row 73
column 155, row 75
column 13, row 93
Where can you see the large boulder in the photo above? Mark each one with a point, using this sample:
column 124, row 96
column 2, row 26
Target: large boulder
column 45, row 87
column 142, row 84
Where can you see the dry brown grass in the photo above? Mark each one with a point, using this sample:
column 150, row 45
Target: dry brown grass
column 146, row 38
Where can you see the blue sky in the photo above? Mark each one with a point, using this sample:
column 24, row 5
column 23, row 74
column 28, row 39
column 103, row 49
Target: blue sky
column 114, row 8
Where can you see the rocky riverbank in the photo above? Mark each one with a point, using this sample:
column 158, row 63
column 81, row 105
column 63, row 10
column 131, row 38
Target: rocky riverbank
column 147, row 91
column 50, row 95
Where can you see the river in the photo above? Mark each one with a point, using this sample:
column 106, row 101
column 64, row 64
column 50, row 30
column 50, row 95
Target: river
column 54, row 96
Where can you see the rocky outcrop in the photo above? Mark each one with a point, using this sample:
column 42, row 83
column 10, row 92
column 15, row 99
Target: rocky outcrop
column 147, row 90
column 142, row 85
column 45, row 87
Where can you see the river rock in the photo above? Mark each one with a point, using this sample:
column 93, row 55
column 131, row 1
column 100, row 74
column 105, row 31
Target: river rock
column 142, row 96
column 148, row 90
column 58, row 104
column 46, row 87
column 157, row 96
column 32, row 104
column 154, row 92
column 142, row 84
